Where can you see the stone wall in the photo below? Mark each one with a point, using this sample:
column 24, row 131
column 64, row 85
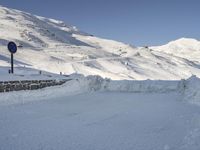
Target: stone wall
column 7, row 86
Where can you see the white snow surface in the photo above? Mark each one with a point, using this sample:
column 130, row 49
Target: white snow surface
column 188, row 89
column 192, row 90
column 187, row 48
column 93, row 113
column 81, row 84
column 54, row 46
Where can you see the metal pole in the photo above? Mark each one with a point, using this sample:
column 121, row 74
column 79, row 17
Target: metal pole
column 12, row 69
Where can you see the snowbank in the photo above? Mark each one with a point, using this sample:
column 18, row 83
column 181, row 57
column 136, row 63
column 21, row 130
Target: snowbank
column 192, row 90
column 189, row 89
column 72, row 87
column 96, row 83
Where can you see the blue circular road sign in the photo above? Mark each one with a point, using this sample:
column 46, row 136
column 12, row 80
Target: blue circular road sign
column 12, row 47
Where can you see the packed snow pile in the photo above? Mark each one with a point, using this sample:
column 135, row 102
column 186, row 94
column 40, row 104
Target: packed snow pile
column 72, row 87
column 189, row 89
column 97, row 83
column 192, row 90
column 80, row 84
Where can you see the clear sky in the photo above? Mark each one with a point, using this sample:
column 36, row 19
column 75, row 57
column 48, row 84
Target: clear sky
column 137, row 22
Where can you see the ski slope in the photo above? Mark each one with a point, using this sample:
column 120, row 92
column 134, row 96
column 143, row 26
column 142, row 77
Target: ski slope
column 54, row 46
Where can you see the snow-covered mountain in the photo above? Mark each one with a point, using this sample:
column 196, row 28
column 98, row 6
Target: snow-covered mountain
column 53, row 46
column 185, row 47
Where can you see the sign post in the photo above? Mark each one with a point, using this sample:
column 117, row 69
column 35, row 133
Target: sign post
column 12, row 47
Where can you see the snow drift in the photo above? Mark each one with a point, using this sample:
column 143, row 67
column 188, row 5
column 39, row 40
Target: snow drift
column 192, row 90
column 97, row 83
column 189, row 89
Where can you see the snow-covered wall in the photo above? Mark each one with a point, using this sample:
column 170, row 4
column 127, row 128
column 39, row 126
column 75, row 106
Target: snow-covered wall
column 189, row 89
column 96, row 83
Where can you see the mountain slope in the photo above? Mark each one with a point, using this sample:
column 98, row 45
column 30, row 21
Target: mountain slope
column 53, row 46
column 185, row 47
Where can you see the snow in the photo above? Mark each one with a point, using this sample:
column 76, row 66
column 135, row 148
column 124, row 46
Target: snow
column 54, row 46
column 71, row 88
column 188, row 89
column 80, row 84
column 192, row 90
column 187, row 48
column 24, row 73
column 96, row 113
column 105, row 120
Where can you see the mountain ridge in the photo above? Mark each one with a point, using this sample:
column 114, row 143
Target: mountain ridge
column 53, row 46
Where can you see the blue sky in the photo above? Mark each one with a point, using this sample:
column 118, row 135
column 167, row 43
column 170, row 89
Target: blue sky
column 137, row 22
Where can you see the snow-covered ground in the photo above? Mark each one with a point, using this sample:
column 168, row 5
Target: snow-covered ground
column 99, row 121
column 80, row 84
column 95, row 114
column 23, row 73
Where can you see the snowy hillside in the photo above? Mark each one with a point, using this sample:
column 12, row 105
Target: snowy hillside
column 185, row 47
column 53, row 46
